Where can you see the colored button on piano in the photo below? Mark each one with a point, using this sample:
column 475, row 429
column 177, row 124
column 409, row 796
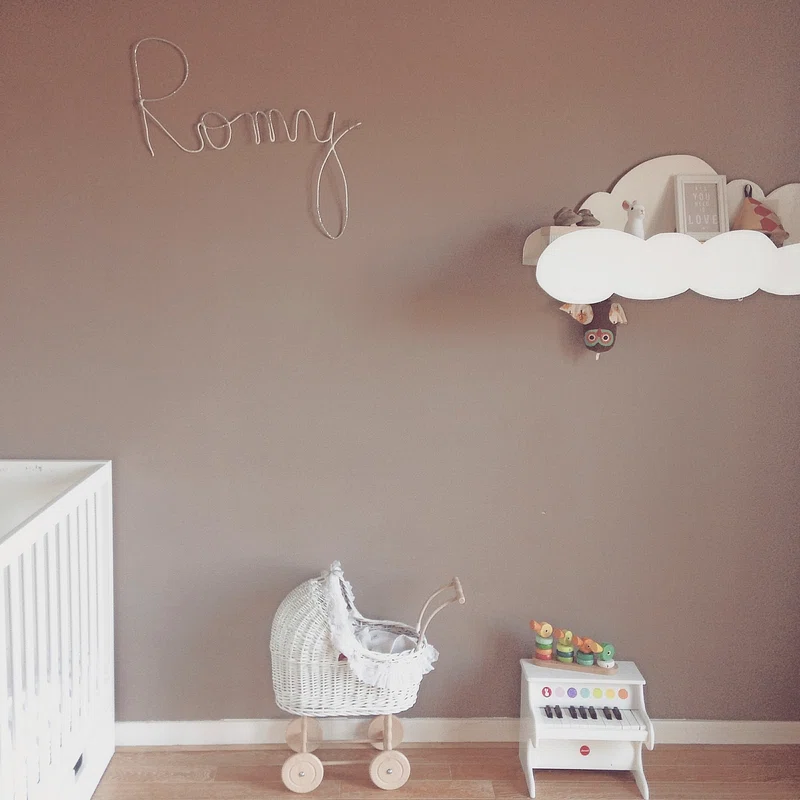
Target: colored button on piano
column 577, row 720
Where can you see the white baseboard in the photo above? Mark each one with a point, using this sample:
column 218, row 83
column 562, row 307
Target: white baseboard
column 420, row 729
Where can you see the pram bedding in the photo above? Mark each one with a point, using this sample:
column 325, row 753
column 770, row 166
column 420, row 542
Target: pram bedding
column 389, row 655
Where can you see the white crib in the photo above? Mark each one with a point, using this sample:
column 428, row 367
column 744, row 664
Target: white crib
column 56, row 628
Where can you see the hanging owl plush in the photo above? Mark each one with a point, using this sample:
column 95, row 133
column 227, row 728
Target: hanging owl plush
column 599, row 322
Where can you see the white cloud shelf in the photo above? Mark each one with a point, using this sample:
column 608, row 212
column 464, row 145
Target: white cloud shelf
column 587, row 265
column 591, row 265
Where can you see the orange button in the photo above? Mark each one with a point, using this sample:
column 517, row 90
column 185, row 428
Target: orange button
column 623, row 694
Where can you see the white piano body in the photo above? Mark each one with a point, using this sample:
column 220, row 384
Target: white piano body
column 601, row 722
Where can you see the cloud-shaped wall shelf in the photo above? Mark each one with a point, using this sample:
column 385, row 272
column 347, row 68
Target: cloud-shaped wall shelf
column 588, row 265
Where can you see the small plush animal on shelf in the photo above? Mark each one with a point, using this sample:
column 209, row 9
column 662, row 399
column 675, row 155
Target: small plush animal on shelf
column 635, row 223
column 566, row 216
column 588, row 220
column 599, row 322
column 753, row 215
column 571, row 651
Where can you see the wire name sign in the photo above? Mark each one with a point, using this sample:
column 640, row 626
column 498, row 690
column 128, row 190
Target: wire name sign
column 265, row 125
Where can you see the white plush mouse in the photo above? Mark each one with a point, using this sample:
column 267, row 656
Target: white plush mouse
column 635, row 223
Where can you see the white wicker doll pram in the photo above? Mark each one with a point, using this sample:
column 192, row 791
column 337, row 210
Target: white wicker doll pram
column 330, row 661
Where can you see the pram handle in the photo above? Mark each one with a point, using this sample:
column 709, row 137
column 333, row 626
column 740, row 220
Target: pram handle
column 458, row 597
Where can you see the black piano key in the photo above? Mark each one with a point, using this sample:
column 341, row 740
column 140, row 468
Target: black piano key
column 559, row 712
column 616, row 713
column 607, row 712
column 549, row 712
column 592, row 712
column 582, row 712
column 573, row 712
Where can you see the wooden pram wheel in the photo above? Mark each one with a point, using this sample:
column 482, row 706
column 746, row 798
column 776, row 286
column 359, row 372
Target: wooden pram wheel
column 294, row 734
column 302, row 773
column 375, row 732
column 389, row 770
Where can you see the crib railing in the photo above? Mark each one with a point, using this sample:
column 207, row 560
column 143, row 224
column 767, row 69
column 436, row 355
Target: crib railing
column 56, row 644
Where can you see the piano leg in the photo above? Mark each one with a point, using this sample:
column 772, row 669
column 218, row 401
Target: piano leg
column 638, row 772
column 527, row 767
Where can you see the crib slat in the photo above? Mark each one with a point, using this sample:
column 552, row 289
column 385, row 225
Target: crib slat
column 75, row 622
column 83, row 549
column 30, row 750
column 91, row 672
column 15, row 623
column 42, row 728
column 6, row 760
column 63, row 631
column 106, row 600
column 53, row 669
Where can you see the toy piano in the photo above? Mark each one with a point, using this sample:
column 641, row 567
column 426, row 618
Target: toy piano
column 581, row 720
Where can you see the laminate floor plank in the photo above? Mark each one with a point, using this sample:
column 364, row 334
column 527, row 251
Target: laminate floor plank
column 451, row 772
column 718, row 754
column 419, row 790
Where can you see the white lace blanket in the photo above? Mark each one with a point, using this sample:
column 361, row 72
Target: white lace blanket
column 391, row 660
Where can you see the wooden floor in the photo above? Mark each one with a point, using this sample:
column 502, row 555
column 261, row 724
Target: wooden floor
column 453, row 772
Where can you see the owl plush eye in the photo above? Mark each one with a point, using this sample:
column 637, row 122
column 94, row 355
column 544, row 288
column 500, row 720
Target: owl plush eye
column 598, row 336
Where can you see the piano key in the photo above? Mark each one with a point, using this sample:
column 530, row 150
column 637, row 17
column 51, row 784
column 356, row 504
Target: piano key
column 591, row 718
column 632, row 720
column 550, row 722
column 611, row 719
column 629, row 728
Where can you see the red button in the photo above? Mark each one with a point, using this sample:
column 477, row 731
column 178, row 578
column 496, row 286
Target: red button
column 547, row 691
column 584, row 750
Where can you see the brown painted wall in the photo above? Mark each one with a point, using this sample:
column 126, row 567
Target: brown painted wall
column 405, row 399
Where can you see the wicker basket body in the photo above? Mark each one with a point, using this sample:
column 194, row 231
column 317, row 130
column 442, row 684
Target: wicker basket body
column 307, row 675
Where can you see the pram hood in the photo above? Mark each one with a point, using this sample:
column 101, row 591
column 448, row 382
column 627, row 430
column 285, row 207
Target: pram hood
column 363, row 642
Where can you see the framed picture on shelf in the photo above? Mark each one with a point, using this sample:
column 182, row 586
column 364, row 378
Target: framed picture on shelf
column 701, row 205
